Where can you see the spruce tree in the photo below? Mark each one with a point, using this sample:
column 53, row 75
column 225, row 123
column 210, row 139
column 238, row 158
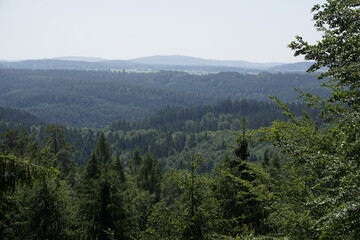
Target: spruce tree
column 240, row 207
column 102, row 149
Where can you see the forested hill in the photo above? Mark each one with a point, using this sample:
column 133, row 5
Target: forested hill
column 235, row 85
column 226, row 114
column 86, row 98
column 16, row 116
column 96, row 98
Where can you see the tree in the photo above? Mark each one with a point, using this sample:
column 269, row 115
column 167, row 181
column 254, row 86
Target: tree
column 118, row 167
column 22, row 163
column 338, row 50
column 49, row 212
column 101, row 211
column 198, row 207
column 317, row 196
column 102, row 149
column 188, row 211
column 62, row 150
column 240, row 207
column 150, row 175
column 135, row 162
column 93, row 167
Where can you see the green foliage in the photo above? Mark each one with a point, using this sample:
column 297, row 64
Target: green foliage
column 193, row 215
column 49, row 213
column 307, row 185
column 119, row 168
column 338, row 50
column 236, row 191
column 93, row 168
column 21, row 162
column 101, row 200
column 315, row 196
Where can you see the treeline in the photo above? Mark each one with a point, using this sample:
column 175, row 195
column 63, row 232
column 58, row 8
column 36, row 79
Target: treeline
column 226, row 114
column 175, row 132
column 84, row 98
column 96, row 98
column 233, row 84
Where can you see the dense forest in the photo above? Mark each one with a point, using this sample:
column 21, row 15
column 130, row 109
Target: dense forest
column 96, row 98
column 182, row 156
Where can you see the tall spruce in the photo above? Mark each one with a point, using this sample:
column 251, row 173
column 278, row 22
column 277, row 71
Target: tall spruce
column 240, row 207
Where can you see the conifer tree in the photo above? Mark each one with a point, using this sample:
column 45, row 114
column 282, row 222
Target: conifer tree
column 62, row 150
column 119, row 169
column 102, row 150
column 240, row 207
column 93, row 167
column 150, row 175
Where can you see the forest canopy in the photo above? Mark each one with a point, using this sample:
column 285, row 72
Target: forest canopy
column 191, row 171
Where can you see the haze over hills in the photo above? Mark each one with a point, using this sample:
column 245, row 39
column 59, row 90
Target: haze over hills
column 156, row 63
column 81, row 58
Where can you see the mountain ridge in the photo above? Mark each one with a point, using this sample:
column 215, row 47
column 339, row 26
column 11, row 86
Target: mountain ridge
column 189, row 60
column 156, row 63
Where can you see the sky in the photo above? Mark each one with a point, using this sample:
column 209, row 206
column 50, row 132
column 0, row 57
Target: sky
column 251, row 30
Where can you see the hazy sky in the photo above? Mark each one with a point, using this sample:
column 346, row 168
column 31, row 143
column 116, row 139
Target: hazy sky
column 252, row 30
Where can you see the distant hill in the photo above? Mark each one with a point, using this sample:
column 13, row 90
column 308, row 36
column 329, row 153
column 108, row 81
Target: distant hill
column 116, row 65
column 292, row 67
column 49, row 64
column 156, row 63
column 191, row 61
column 70, row 64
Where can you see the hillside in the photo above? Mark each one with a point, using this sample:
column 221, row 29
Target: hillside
column 11, row 115
column 95, row 98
